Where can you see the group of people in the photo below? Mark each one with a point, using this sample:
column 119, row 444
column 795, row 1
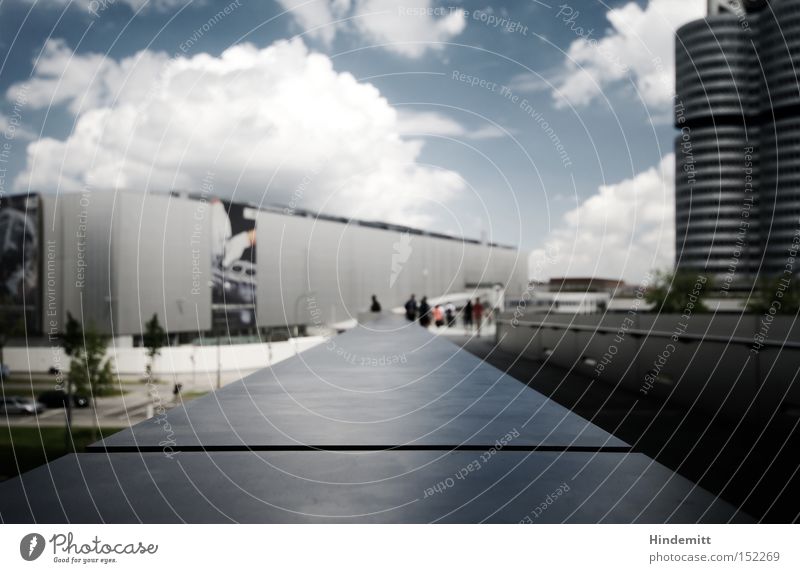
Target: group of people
column 472, row 314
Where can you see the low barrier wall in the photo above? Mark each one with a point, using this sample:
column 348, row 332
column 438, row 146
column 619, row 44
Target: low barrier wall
column 734, row 364
column 131, row 362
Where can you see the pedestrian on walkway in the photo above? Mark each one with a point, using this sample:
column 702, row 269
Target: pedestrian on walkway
column 467, row 316
column 438, row 316
column 424, row 312
column 477, row 314
column 450, row 314
column 411, row 308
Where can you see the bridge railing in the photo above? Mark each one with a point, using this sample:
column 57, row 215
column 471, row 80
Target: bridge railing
column 734, row 364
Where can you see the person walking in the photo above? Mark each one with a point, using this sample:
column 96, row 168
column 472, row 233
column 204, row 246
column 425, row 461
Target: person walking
column 438, row 316
column 467, row 310
column 411, row 308
column 176, row 392
column 450, row 314
column 477, row 314
column 424, row 312
column 376, row 306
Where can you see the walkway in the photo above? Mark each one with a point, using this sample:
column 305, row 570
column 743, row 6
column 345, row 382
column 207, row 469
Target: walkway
column 385, row 423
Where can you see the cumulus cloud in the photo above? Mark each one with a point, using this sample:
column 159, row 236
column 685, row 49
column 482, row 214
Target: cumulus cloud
column 277, row 125
column 409, row 29
column 624, row 230
column 12, row 128
column 431, row 123
column 4, row 124
column 639, row 45
column 87, row 81
column 317, row 17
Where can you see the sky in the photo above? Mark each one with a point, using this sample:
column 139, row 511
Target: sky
column 532, row 123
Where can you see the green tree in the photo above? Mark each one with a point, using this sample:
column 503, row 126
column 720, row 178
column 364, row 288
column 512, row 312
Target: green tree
column 153, row 339
column 90, row 372
column 72, row 337
column 12, row 325
column 71, row 341
column 674, row 292
column 770, row 293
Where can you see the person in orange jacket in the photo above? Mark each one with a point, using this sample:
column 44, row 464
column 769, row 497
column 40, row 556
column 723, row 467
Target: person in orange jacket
column 438, row 316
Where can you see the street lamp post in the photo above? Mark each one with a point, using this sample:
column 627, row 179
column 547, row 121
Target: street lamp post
column 68, row 412
column 219, row 364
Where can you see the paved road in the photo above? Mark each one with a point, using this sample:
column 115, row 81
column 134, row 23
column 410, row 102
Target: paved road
column 139, row 401
column 114, row 411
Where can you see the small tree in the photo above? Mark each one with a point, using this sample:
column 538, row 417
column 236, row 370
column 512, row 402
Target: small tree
column 153, row 339
column 674, row 292
column 71, row 342
column 72, row 337
column 89, row 370
column 12, row 324
column 771, row 293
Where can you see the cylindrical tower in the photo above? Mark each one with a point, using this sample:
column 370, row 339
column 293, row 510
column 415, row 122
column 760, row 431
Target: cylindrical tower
column 779, row 55
column 716, row 210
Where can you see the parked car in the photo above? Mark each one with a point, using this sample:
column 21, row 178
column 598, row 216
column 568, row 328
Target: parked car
column 19, row 405
column 58, row 399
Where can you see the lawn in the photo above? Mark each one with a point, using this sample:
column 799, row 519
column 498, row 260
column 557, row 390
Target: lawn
column 33, row 447
column 34, row 387
column 191, row 395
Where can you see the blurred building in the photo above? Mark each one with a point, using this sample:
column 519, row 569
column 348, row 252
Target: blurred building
column 737, row 108
column 569, row 295
column 584, row 284
column 207, row 266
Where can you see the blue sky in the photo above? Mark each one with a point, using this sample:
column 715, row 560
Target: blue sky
column 538, row 124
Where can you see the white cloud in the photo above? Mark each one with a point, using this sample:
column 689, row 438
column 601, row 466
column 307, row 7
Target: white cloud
column 529, row 83
column 489, row 132
column 277, row 124
column 87, row 81
column 624, row 230
column 410, row 29
column 417, row 124
column 11, row 128
column 639, row 44
column 317, row 17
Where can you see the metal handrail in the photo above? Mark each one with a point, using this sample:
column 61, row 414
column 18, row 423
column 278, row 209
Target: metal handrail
column 657, row 333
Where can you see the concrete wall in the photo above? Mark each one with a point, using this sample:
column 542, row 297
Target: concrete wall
column 120, row 257
column 316, row 271
column 734, row 364
column 162, row 263
column 79, row 227
column 117, row 258
column 130, row 362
